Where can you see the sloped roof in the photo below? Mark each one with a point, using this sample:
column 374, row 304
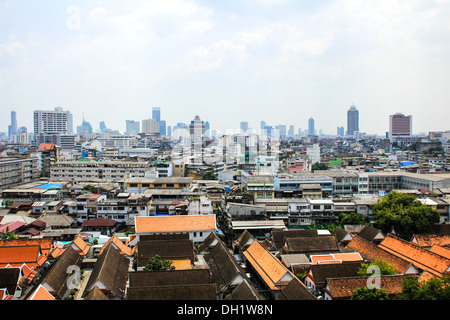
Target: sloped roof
column 429, row 240
column 111, row 270
column 320, row 272
column 18, row 255
column 9, row 278
column 244, row 291
column 342, row 288
column 119, row 244
column 327, row 243
column 178, row 292
column 186, row 223
column 295, row 290
column 99, row 222
column 244, row 240
column 420, row 257
column 57, row 276
column 81, row 246
column 440, row 250
column 278, row 237
column 168, row 278
column 270, row 269
column 41, row 294
column 341, row 235
column 96, row 295
column 224, row 267
column 45, row 244
column 370, row 234
column 373, row 252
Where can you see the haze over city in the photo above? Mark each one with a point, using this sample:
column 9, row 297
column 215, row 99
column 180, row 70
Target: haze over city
column 278, row 61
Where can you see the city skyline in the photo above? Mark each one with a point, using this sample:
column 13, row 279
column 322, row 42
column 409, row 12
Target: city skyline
column 276, row 61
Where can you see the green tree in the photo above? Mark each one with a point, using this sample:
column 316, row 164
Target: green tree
column 400, row 209
column 89, row 188
column 385, row 268
column 158, row 264
column 319, row 166
column 369, row 294
column 209, row 175
column 433, row 289
column 7, row 235
column 351, row 218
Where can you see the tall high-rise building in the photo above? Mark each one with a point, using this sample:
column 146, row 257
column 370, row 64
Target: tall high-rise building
column 311, row 130
column 12, row 129
column 162, row 127
column 244, row 126
column 150, row 126
column 400, row 126
column 352, row 120
column 340, row 131
column 156, row 114
column 291, row 131
column 55, row 121
column 132, row 127
column 197, row 132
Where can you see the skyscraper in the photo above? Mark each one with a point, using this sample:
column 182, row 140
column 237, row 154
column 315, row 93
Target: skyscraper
column 244, row 126
column 12, row 129
column 352, row 120
column 311, row 129
column 162, row 127
column 156, row 114
column 132, row 127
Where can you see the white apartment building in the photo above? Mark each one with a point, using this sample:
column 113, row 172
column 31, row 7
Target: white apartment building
column 54, row 121
column 99, row 169
column 127, row 206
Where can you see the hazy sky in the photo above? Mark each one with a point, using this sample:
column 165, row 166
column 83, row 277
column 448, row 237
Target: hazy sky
column 282, row 61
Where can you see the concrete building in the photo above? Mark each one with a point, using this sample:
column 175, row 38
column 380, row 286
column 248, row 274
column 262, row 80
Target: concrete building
column 352, row 121
column 17, row 171
column 55, row 121
column 150, row 126
column 67, row 170
column 400, row 128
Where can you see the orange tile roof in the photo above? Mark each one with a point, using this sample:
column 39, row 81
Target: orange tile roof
column 4, row 295
column 119, row 244
column 428, row 240
column 46, row 146
column 420, row 257
column 335, row 257
column 17, row 256
column 45, row 244
column 41, row 294
column 187, row 223
column 425, row 276
column 81, row 245
column 269, row 267
column 372, row 252
column 442, row 251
